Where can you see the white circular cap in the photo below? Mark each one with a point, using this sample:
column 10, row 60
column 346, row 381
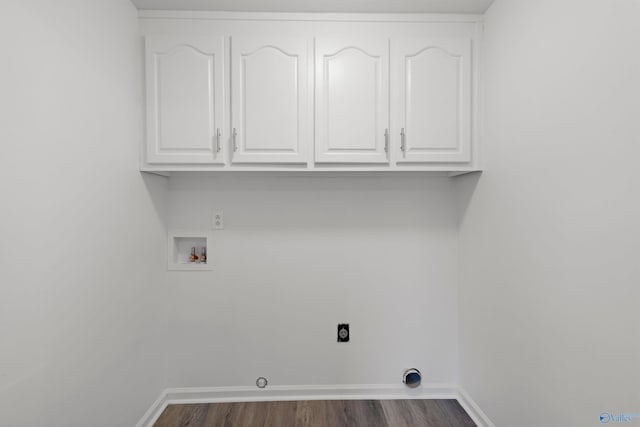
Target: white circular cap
column 261, row 382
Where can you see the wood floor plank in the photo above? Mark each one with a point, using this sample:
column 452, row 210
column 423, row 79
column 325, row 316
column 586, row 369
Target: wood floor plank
column 312, row 413
column 258, row 412
column 366, row 413
column 183, row 416
column 280, row 414
column 455, row 412
column 429, row 413
column 436, row 416
column 244, row 414
column 219, row 415
column 403, row 413
column 319, row 413
column 336, row 413
column 170, row 417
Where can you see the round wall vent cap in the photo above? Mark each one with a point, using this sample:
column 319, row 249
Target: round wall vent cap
column 412, row 377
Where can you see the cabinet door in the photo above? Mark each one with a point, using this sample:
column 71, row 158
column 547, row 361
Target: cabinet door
column 433, row 78
column 185, row 99
column 269, row 93
column 352, row 101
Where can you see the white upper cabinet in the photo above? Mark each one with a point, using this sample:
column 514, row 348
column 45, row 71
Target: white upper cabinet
column 352, row 100
column 270, row 95
column 433, row 79
column 281, row 92
column 185, row 98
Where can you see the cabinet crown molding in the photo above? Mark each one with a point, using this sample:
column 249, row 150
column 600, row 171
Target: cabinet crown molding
column 315, row 17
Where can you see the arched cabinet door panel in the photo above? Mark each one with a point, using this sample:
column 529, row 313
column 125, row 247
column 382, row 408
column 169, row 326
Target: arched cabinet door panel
column 270, row 98
column 433, row 79
column 185, row 98
column 352, row 101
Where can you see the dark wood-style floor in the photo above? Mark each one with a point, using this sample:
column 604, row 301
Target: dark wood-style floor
column 319, row 413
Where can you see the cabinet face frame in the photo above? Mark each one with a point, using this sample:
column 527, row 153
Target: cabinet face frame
column 432, row 118
column 271, row 99
column 352, row 120
column 189, row 72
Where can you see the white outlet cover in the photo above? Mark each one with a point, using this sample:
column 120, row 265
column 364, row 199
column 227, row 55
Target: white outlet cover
column 218, row 220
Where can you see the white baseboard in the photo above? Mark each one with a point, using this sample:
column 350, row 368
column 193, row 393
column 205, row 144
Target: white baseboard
column 328, row 392
column 154, row 412
column 472, row 408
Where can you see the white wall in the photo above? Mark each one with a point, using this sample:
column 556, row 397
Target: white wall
column 300, row 254
column 550, row 238
column 82, row 245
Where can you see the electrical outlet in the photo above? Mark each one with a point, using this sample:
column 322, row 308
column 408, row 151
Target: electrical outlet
column 343, row 332
column 218, row 220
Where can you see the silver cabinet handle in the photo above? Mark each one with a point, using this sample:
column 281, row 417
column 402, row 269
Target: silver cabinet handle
column 403, row 145
column 386, row 140
column 235, row 137
column 217, row 140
